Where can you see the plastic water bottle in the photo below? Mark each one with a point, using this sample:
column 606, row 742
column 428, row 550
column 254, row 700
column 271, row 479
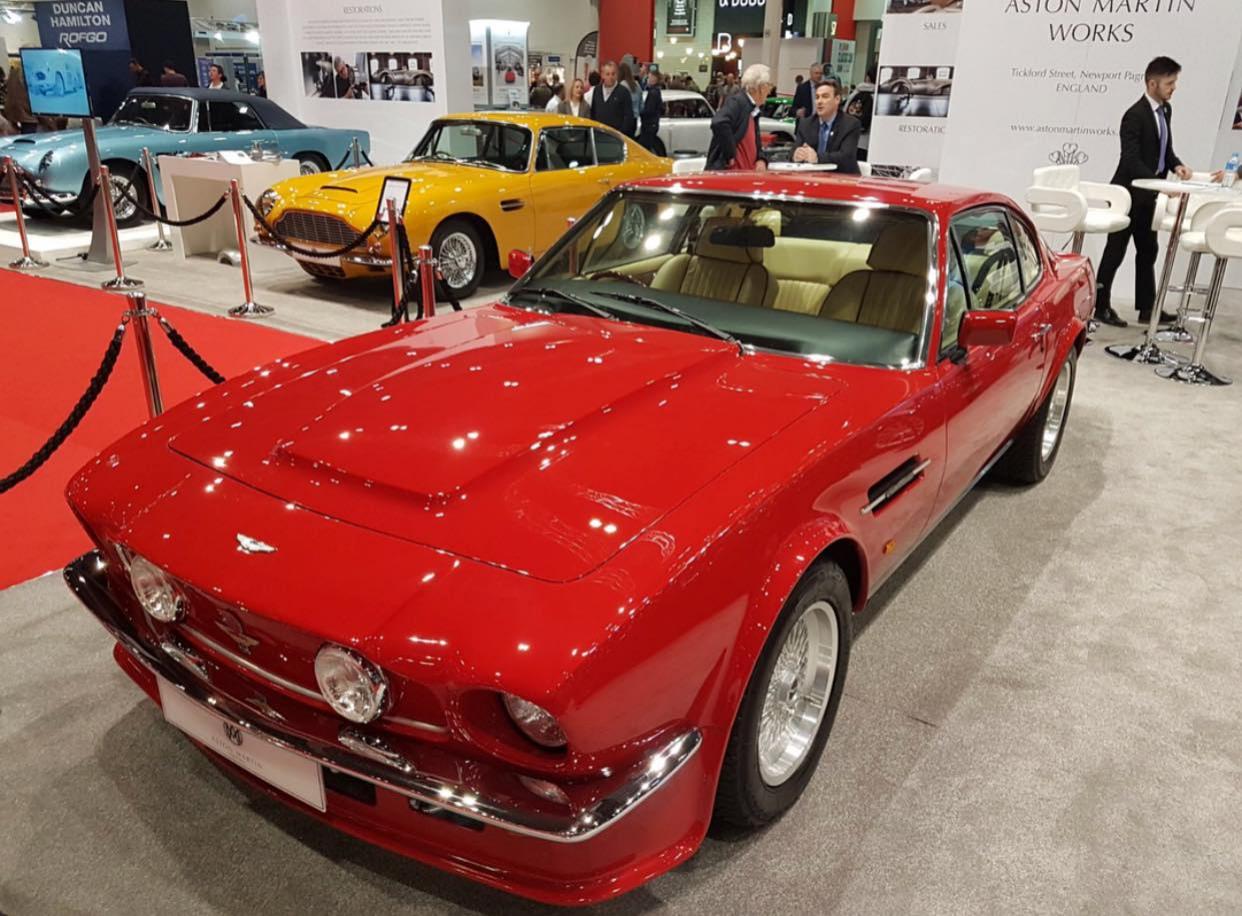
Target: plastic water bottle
column 1231, row 171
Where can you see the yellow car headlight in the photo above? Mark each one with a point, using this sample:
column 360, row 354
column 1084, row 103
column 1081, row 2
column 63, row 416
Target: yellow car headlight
column 267, row 202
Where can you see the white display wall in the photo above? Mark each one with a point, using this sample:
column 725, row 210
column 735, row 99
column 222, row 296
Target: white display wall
column 389, row 69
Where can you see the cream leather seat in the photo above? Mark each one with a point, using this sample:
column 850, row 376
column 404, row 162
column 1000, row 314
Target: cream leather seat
column 804, row 271
column 722, row 272
column 893, row 293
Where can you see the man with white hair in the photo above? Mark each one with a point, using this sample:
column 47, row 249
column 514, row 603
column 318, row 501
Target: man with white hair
column 735, row 127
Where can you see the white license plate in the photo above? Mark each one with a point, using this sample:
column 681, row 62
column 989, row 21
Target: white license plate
column 278, row 766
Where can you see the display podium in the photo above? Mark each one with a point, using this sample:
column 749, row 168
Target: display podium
column 192, row 185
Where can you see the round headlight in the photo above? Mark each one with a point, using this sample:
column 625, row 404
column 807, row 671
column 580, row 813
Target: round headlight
column 154, row 591
column 536, row 723
column 267, row 202
column 353, row 686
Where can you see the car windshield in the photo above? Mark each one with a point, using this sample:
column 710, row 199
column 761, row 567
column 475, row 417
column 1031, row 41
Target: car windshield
column 164, row 112
column 484, row 143
column 849, row 282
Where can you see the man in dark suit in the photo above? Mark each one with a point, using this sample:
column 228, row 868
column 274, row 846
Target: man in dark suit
column 830, row 136
column 735, row 126
column 804, row 95
column 1146, row 152
column 611, row 103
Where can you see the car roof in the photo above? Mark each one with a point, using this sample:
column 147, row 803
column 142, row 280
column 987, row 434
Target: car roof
column 940, row 199
column 272, row 114
column 530, row 119
column 672, row 95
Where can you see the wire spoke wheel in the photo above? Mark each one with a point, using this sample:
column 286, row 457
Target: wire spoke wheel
column 796, row 695
column 459, row 260
column 121, row 204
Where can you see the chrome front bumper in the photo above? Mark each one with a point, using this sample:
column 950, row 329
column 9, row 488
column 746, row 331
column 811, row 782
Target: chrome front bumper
column 366, row 757
column 362, row 260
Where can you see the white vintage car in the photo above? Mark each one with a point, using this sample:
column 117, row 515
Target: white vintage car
column 686, row 125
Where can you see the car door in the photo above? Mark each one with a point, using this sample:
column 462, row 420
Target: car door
column 987, row 391
column 566, row 181
column 235, row 125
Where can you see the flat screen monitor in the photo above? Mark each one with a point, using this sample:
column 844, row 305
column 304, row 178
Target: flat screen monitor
column 56, row 82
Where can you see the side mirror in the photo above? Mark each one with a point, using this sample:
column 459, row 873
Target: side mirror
column 987, row 329
column 520, row 263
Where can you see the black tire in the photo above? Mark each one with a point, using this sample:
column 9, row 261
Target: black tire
column 38, row 213
column 743, row 798
column 1026, row 462
column 137, row 187
column 455, row 229
column 312, row 163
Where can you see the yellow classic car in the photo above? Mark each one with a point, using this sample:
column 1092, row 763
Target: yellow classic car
column 480, row 186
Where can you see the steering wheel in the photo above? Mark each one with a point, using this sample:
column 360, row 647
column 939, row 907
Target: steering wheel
column 617, row 275
column 996, row 259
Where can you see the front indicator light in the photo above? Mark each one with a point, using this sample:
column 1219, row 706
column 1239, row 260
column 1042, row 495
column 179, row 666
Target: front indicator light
column 354, row 688
column 535, row 722
column 154, row 591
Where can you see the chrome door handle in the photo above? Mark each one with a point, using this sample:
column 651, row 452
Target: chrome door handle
column 1041, row 332
column 605, row 181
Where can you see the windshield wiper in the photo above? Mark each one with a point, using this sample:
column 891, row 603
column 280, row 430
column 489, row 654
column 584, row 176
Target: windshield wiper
column 545, row 292
column 439, row 154
column 683, row 315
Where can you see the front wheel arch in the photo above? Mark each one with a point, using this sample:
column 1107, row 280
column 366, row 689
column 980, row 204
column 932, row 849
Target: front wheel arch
column 491, row 251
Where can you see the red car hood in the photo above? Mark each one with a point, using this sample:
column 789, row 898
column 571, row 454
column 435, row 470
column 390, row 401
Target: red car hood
column 539, row 444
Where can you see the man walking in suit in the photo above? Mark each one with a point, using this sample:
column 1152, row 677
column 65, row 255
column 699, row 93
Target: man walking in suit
column 804, row 95
column 611, row 103
column 1146, row 152
column 830, row 136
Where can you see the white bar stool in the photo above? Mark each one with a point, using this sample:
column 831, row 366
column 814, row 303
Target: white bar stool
column 1062, row 202
column 1164, row 221
column 1222, row 238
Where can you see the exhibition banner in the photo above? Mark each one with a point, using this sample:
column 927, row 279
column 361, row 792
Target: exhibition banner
column 94, row 25
column 1045, row 82
column 382, row 67
column 914, row 89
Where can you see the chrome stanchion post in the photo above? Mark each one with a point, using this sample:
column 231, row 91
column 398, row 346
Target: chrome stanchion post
column 1149, row 351
column 138, row 314
column 148, row 165
column 120, row 281
column 394, row 242
column 355, row 149
column 1076, row 243
column 249, row 308
column 27, row 261
column 427, row 279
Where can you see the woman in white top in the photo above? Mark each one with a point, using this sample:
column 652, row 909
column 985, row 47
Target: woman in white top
column 575, row 105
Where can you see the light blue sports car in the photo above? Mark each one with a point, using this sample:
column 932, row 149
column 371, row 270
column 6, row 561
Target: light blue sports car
column 171, row 122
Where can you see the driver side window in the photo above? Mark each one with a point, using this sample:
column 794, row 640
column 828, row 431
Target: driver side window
column 565, row 148
column 989, row 258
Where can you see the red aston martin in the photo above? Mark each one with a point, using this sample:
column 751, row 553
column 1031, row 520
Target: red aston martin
column 536, row 591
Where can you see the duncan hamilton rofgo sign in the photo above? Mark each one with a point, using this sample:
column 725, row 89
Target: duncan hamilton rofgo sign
column 95, row 25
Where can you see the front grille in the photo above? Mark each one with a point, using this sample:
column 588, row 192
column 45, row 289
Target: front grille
column 301, row 226
column 327, row 271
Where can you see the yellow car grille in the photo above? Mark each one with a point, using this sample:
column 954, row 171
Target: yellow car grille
column 303, row 226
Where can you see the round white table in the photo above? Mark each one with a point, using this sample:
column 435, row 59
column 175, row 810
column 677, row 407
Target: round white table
column 1149, row 350
column 801, row 167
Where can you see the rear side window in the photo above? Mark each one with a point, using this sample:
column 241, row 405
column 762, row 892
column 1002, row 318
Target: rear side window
column 609, row 149
column 1028, row 254
column 232, row 116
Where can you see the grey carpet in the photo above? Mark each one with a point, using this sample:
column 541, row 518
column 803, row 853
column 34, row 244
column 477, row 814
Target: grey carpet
column 1043, row 714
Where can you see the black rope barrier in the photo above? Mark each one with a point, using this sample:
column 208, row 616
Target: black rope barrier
column 367, row 159
column 183, row 347
column 45, row 452
column 177, row 223
column 311, row 252
column 412, row 285
column 48, row 204
column 349, row 154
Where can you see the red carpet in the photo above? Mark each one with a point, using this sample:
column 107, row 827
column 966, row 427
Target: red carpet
column 53, row 338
